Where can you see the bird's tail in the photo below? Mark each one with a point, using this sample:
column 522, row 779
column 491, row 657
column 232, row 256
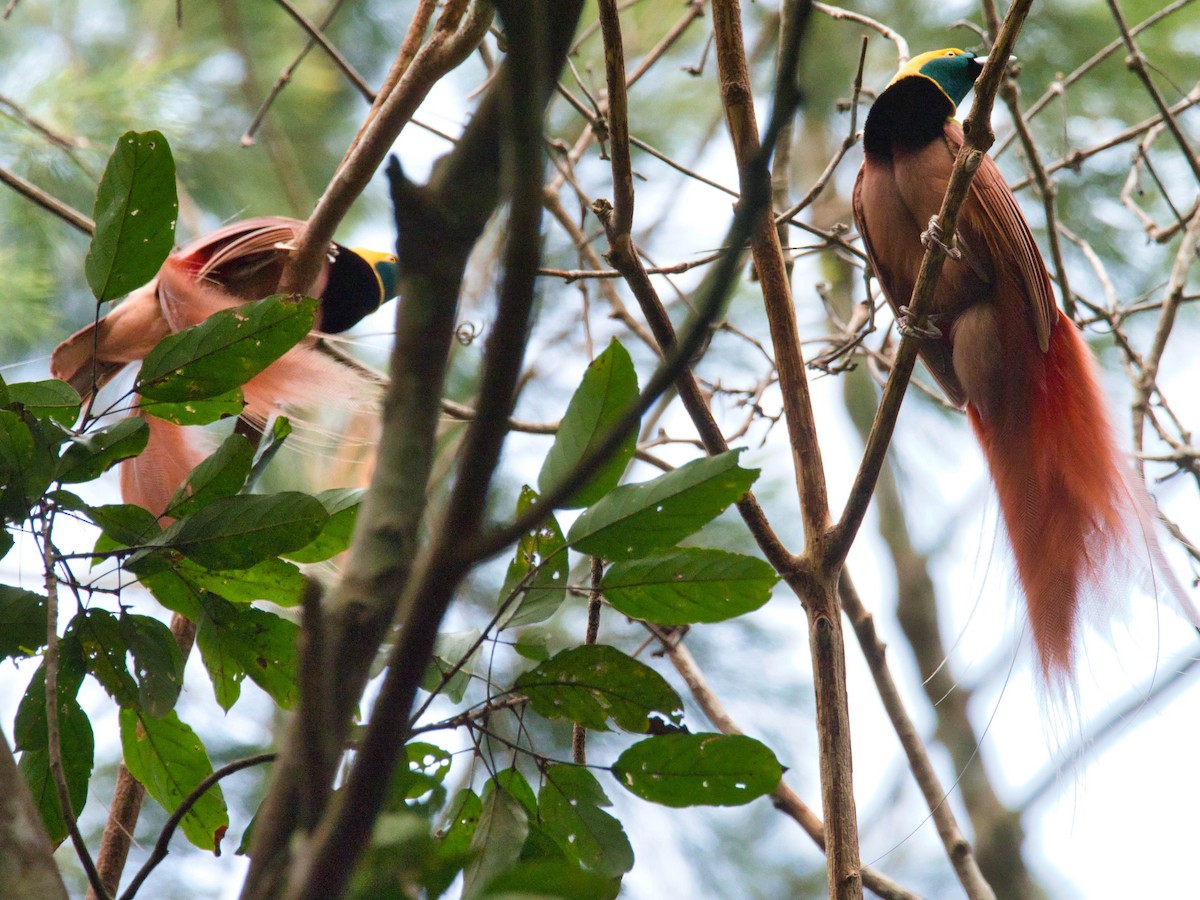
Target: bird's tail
column 1081, row 528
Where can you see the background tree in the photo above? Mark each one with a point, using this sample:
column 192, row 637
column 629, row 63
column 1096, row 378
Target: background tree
column 598, row 217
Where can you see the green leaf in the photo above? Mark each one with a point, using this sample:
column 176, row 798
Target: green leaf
column 418, row 787
column 76, row 741
column 343, row 505
column 538, row 571
column 448, row 652
column 531, row 644
column 237, row 532
column 593, row 683
column 22, row 622
column 88, row 455
column 608, row 389
column 77, row 745
column 175, row 593
column 135, row 212
column 222, row 474
column 548, row 879
column 272, row 579
column 124, row 524
column 688, row 585
column 512, row 781
column 698, row 769
column 236, row 641
column 104, row 653
column 51, row 399
column 225, row 350
column 29, row 727
column 454, row 845
column 28, row 458
column 637, row 518
column 496, row 845
column 158, row 663
column 571, row 802
column 197, row 412
column 166, row 756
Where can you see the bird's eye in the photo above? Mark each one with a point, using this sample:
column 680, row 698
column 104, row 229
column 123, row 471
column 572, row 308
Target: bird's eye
column 951, row 53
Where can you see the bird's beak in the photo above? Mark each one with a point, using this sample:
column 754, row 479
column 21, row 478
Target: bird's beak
column 981, row 61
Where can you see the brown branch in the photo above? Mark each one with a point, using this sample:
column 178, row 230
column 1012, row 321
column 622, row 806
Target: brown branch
column 128, row 794
column 27, row 867
column 836, row 12
column 317, row 36
column 32, row 192
column 162, row 846
column 785, row 799
column 595, row 602
column 459, row 29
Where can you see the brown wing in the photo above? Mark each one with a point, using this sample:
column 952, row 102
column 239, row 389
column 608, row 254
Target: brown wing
column 891, row 232
column 1006, row 233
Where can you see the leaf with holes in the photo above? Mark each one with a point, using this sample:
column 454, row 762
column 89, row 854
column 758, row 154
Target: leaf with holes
column 167, row 757
column 698, row 769
column 196, row 412
column 225, row 350
column 593, row 683
column 136, row 206
column 571, row 802
column 635, row 519
column 688, row 585
column 52, row 399
column 157, row 662
column 236, row 641
column 608, row 389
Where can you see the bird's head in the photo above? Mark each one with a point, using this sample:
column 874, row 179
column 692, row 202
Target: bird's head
column 954, row 71
column 385, row 267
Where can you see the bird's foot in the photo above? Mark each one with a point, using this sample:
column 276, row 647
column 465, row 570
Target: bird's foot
column 906, row 326
column 933, row 237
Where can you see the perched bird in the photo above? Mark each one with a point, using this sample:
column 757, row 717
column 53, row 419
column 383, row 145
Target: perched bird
column 235, row 264
column 1076, row 518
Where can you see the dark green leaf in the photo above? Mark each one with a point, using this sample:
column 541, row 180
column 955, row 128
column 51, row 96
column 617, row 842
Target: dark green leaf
column 342, row 504
column 124, row 524
column 104, row 653
column 448, row 656
column 698, row 769
column 496, row 845
column 418, row 787
column 135, row 212
column 29, row 728
column 608, row 389
column 688, row 585
column 222, row 474
column 538, row 572
column 593, row 683
column 166, row 756
column 272, row 579
column 225, row 350
column 636, row 518
column 236, row 641
column 158, row 664
column 52, row 399
column 28, row 459
column 175, row 593
column 88, row 455
column 197, row 412
column 77, row 750
column 512, row 781
column 22, row 622
column 571, row 802
column 237, row 532
column 547, row 879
